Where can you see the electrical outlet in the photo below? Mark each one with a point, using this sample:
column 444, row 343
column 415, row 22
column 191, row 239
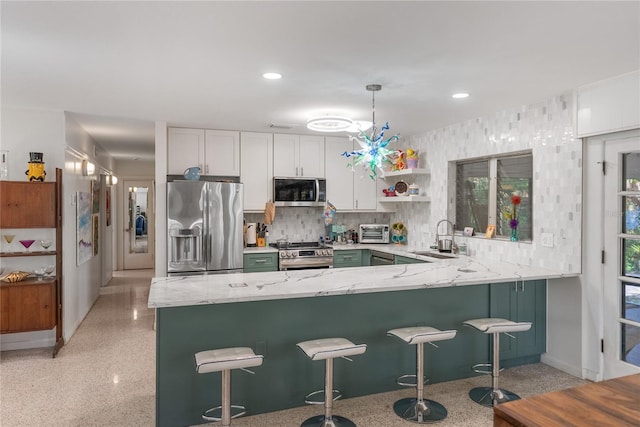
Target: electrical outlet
column 547, row 240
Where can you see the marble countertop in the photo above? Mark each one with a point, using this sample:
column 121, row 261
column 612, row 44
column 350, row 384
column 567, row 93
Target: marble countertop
column 243, row 287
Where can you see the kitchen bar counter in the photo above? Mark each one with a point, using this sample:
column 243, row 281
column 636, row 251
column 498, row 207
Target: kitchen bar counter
column 271, row 312
column 246, row 287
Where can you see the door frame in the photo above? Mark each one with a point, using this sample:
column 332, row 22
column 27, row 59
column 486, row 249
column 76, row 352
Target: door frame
column 138, row 261
column 612, row 296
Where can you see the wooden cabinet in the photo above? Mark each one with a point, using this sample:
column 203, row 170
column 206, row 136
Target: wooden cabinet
column 347, row 189
column 32, row 304
column 523, row 301
column 298, row 156
column 256, row 169
column 216, row 152
column 261, row 262
column 27, row 204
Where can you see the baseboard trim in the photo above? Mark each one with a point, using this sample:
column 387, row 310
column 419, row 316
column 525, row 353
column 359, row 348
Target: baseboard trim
column 561, row 365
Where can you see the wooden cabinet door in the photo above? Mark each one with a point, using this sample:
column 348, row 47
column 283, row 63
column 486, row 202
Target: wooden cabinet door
column 27, row 204
column 256, row 169
column 4, row 308
column 185, row 148
column 32, row 307
column 222, row 153
column 311, row 156
column 339, row 175
column 285, row 156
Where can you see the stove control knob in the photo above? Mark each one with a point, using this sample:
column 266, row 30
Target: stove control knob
column 289, row 254
column 294, row 254
column 282, row 254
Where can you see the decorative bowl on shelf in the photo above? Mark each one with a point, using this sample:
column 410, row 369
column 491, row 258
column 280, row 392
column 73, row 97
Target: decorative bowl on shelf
column 26, row 243
column 40, row 272
column 46, row 244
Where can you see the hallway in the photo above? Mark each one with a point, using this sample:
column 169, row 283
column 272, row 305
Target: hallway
column 105, row 376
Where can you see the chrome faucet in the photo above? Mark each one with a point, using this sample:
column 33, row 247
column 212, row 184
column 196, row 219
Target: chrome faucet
column 442, row 247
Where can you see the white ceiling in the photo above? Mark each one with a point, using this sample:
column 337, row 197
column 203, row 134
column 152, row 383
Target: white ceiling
column 123, row 65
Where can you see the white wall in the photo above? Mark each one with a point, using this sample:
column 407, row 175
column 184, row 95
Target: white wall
column 82, row 282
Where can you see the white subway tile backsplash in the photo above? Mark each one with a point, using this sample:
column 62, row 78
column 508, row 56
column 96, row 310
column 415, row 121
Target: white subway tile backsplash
column 545, row 128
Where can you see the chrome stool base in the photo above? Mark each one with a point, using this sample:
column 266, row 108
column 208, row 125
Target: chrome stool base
column 424, row 412
column 208, row 415
column 322, row 421
column 487, row 396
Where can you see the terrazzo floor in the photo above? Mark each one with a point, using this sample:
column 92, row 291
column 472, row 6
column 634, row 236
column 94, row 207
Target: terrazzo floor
column 105, row 376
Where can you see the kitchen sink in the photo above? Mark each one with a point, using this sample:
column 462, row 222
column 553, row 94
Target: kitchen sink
column 434, row 254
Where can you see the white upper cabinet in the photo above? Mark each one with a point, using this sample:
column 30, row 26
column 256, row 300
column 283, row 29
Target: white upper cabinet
column 256, row 171
column 215, row 152
column 339, row 176
column 609, row 106
column 185, row 149
column 298, row 156
column 347, row 189
column 222, row 153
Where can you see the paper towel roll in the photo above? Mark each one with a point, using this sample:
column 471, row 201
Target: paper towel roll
column 251, row 234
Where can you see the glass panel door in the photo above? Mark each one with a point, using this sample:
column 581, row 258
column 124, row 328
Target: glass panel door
column 622, row 258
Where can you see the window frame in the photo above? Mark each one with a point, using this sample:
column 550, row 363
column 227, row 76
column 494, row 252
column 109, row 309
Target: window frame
column 492, row 198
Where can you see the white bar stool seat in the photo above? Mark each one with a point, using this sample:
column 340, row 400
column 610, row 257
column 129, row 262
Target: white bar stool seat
column 224, row 360
column 490, row 396
column 327, row 349
column 418, row 409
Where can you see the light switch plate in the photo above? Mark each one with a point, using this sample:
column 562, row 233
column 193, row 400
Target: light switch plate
column 547, row 240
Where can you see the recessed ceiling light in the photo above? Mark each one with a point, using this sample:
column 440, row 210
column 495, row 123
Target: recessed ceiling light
column 460, row 95
column 272, row 76
column 329, row 123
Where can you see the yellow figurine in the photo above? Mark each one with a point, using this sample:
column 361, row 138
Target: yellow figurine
column 36, row 170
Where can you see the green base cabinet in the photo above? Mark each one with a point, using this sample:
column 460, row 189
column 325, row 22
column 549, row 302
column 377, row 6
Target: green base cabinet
column 347, row 258
column 259, row 263
column 523, row 301
column 405, row 260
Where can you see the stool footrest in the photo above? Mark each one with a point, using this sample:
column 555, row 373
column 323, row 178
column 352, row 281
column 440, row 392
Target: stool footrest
column 401, row 380
column 477, row 368
column 208, row 416
column 321, row 402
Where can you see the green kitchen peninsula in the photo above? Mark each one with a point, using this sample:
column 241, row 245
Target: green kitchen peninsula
column 272, row 311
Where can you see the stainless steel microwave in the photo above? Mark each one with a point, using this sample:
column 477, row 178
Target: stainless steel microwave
column 299, row 191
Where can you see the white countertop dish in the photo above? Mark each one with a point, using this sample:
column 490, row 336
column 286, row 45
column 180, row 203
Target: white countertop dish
column 244, row 287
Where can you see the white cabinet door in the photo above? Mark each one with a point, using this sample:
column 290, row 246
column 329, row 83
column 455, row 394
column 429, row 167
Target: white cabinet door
column 256, row 172
column 222, row 153
column 365, row 190
column 311, row 156
column 285, row 155
column 339, row 176
column 185, row 148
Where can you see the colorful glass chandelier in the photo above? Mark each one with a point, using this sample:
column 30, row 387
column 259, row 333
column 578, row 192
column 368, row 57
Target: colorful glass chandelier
column 373, row 152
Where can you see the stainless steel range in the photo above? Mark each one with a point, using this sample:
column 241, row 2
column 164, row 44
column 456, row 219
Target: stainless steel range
column 304, row 255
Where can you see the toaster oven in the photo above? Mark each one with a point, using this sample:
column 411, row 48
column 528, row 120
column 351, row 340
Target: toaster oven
column 373, row 233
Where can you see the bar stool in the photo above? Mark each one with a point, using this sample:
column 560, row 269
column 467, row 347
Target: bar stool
column 327, row 349
column 226, row 359
column 490, row 396
column 418, row 409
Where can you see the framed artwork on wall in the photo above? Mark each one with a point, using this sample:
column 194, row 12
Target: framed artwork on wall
column 84, row 239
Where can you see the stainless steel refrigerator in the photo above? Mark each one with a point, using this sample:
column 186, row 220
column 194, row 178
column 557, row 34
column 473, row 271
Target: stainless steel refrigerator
column 204, row 227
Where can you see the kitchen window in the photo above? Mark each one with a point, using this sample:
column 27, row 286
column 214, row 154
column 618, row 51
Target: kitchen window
column 483, row 194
